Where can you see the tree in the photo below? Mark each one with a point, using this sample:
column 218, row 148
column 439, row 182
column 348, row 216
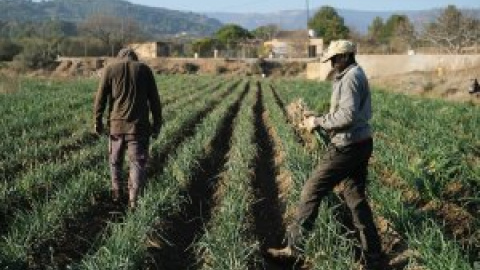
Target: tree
column 328, row 24
column 112, row 31
column 376, row 31
column 397, row 34
column 266, row 32
column 399, row 26
column 452, row 30
column 231, row 34
column 204, row 46
column 8, row 49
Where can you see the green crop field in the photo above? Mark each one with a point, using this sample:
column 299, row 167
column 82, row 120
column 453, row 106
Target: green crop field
column 224, row 178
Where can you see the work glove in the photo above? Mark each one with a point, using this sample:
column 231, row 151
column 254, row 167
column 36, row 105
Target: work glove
column 309, row 123
column 98, row 128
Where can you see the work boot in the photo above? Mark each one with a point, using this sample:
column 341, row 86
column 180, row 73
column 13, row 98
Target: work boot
column 376, row 262
column 286, row 254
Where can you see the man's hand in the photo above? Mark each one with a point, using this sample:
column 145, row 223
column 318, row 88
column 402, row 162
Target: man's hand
column 309, row 123
column 98, row 129
column 308, row 114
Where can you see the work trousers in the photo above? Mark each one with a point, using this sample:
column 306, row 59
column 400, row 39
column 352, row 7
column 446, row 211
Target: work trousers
column 348, row 164
column 137, row 148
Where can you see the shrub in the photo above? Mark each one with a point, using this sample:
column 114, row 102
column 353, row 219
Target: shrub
column 8, row 50
column 428, row 86
column 190, row 68
column 35, row 56
column 220, row 69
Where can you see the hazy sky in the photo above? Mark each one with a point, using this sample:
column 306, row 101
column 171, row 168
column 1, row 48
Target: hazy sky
column 276, row 5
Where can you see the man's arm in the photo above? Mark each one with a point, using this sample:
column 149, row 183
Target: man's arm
column 154, row 102
column 348, row 107
column 103, row 92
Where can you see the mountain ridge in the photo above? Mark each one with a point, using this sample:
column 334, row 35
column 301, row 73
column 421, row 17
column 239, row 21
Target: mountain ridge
column 155, row 20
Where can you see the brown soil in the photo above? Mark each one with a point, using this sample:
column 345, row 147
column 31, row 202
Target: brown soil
column 268, row 209
column 92, row 67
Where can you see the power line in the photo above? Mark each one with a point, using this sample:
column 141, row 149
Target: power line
column 308, row 12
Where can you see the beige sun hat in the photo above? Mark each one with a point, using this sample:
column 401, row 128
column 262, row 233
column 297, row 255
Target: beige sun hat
column 340, row 46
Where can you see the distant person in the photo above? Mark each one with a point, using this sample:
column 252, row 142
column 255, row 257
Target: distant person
column 128, row 87
column 474, row 87
column 346, row 160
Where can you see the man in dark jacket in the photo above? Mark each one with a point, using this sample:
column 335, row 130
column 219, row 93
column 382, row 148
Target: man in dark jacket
column 345, row 161
column 129, row 88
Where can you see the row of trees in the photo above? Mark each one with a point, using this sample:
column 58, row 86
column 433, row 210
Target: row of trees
column 452, row 31
column 37, row 44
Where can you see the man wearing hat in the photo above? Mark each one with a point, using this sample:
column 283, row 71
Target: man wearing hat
column 346, row 159
column 129, row 88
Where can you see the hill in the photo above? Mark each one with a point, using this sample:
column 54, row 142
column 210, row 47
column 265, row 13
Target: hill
column 156, row 21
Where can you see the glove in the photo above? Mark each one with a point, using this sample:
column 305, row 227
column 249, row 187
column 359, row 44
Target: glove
column 98, row 129
column 309, row 123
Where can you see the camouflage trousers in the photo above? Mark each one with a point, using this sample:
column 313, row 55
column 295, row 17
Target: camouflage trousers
column 137, row 148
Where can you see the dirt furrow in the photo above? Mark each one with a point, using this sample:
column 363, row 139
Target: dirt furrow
column 191, row 96
column 158, row 159
column 185, row 227
column 268, row 208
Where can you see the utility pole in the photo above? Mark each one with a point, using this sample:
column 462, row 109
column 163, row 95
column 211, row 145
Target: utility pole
column 308, row 12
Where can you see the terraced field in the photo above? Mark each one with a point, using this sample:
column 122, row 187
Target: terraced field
column 224, row 177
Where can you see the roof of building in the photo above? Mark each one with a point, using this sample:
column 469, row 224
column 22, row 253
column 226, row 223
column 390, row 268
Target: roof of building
column 293, row 34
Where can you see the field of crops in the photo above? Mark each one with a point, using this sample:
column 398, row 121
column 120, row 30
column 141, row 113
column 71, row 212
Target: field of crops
column 224, row 177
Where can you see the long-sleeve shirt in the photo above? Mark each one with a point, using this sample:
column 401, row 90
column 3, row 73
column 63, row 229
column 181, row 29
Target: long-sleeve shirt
column 130, row 90
column 350, row 108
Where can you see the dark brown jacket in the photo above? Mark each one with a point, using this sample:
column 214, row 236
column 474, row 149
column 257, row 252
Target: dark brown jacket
column 129, row 88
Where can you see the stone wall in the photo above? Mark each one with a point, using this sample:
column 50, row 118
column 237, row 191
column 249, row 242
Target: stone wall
column 386, row 65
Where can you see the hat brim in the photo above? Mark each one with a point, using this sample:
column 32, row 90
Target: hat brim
column 327, row 57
